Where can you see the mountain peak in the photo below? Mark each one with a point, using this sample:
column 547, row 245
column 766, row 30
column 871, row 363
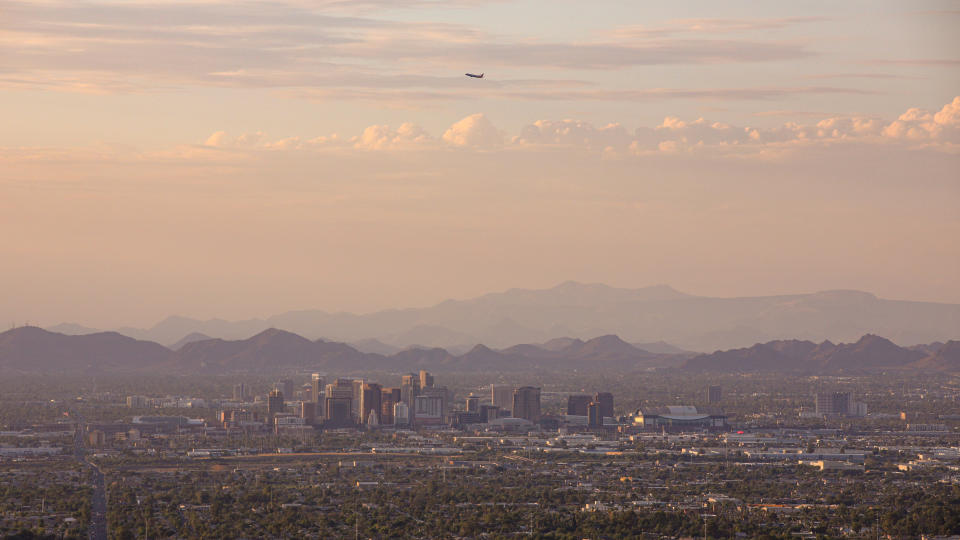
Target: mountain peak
column 189, row 338
column 480, row 348
column 873, row 340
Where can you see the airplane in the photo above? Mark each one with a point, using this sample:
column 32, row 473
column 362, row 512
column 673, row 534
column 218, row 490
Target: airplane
column 480, row 76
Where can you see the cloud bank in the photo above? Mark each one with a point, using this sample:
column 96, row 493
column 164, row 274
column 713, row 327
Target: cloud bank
column 914, row 128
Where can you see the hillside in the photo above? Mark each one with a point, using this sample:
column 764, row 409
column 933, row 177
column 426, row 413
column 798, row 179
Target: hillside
column 30, row 349
column 869, row 353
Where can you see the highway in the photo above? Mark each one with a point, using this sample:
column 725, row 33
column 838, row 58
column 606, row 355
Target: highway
column 98, row 508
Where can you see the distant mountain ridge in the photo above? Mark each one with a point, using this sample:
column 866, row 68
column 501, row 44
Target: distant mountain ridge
column 31, row 350
column 28, row 350
column 649, row 314
column 868, row 353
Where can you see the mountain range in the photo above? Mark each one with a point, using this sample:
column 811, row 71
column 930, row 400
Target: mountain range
column 868, row 353
column 31, row 350
column 644, row 315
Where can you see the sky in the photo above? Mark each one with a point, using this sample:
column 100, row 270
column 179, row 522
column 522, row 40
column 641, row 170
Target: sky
column 240, row 159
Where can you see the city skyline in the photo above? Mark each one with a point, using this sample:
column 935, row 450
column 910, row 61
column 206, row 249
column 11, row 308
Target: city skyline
column 479, row 269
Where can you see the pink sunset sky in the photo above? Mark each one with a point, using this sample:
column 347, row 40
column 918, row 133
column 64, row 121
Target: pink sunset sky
column 238, row 159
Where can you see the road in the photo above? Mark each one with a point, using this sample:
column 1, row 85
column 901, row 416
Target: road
column 98, row 507
column 98, row 511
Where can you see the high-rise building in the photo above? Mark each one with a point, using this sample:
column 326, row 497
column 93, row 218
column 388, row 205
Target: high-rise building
column 501, row 395
column 489, row 412
column 317, row 383
column 338, row 412
column 594, row 418
column 526, row 403
column 357, row 396
column 577, row 404
column 286, row 387
column 370, row 402
column 388, row 399
column 409, row 389
column 428, row 410
column 445, row 396
column 473, row 403
column 340, row 388
column 714, row 394
column 605, row 400
column 401, row 414
column 239, row 392
column 275, row 402
column 308, row 411
column 426, row 379
column 833, row 403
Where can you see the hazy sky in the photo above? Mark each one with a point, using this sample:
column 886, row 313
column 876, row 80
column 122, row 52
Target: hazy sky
column 238, row 159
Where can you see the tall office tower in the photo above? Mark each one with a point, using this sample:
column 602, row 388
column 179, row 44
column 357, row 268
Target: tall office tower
column 388, row 399
column 285, row 387
column 526, row 403
column 401, row 414
column 337, row 412
column 275, row 402
column 427, row 410
column 577, row 404
column 594, row 418
column 833, row 403
column 317, row 382
column 340, row 388
column 489, row 412
column 605, row 399
column 239, row 392
column 501, row 395
column 370, row 402
column 357, row 399
column 473, row 403
column 409, row 389
column 308, row 411
column 714, row 394
column 445, row 396
column 426, row 379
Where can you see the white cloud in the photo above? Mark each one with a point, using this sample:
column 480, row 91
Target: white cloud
column 216, row 139
column 474, row 131
column 574, row 133
column 221, row 139
column 381, row 137
column 673, row 135
column 923, row 125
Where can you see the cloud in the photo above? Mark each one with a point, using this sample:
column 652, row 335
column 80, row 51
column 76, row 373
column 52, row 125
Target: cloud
column 939, row 130
column 474, row 131
column 712, row 26
column 881, row 76
column 611, row 138
column 934, row 62
column 382, row 137
column 113, row 47
column 220, row 139
column 923, row 125
column 756, row 93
